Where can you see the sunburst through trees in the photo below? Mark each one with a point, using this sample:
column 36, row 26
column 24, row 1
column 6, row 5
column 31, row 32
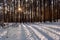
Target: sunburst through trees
column 30, row 10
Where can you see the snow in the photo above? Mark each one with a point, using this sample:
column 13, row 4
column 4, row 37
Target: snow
column 31, row 31
column 47, row 31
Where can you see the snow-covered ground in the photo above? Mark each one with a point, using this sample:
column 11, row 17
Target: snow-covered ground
column 31, row 31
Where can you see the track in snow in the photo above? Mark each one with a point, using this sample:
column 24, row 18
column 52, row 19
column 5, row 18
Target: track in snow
column 31, row 31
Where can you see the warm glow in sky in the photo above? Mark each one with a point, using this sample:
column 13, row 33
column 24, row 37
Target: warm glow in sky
column 19, row 9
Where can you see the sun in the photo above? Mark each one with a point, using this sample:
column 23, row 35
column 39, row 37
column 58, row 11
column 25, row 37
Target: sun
column 19, row 9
